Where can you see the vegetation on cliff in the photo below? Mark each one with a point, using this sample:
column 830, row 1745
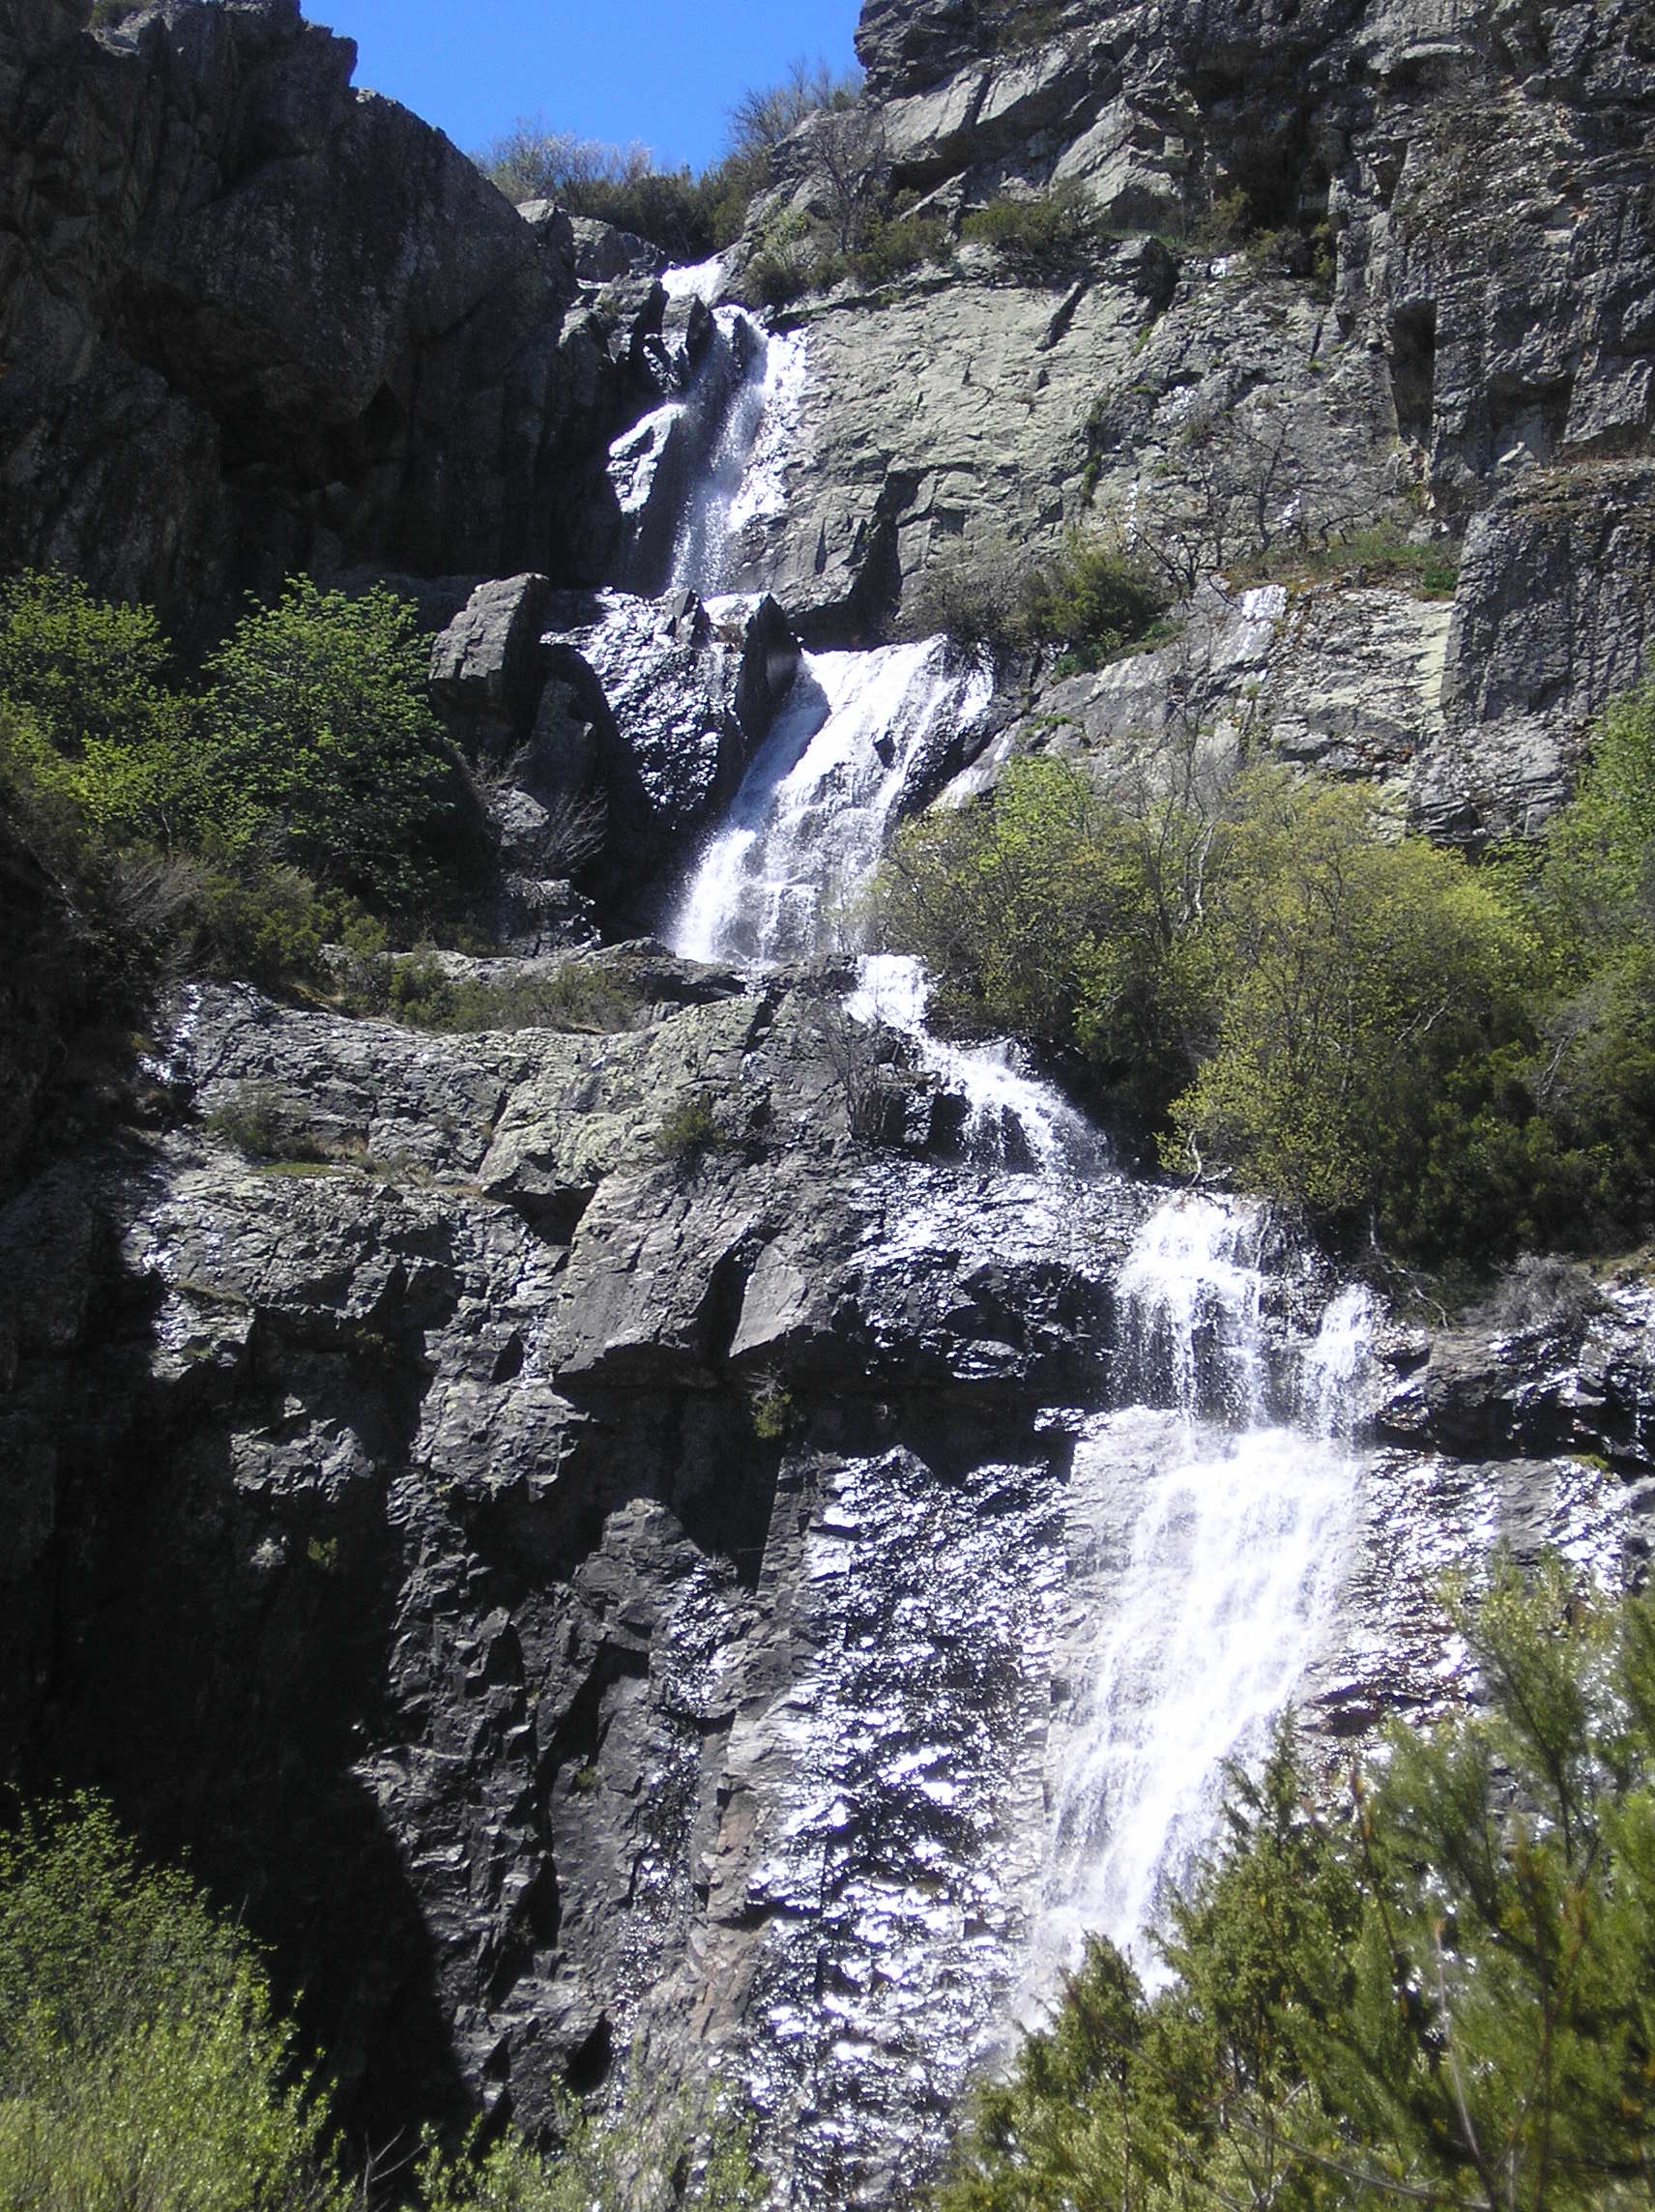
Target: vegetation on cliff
column 302, row 789
column 1264, row 972
column 144, row 2067
column 686, row 216
column 1435, row 1993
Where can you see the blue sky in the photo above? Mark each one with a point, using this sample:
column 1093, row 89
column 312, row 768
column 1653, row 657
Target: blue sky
column 664, row 71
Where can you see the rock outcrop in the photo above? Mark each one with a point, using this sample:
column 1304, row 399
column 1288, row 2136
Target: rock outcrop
column 275, row 323
column 580, row 1556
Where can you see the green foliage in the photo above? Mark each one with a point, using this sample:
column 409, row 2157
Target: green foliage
column 688, row 1131
column 418, row 990
column 89, row 674
column 262, row 1123
column 231, row 831
column 1256, row 965
column 317, row 735
column 1223, row 224
column 1356, row 971
column 646, row 2159
column 1266, row 970
column 1437, row 1994
column 1067, row 915
column 687, row 217
column 1091, row 599
column 771, row 1407
column 141, row 2066
column 1379, row 551
column 1046, row 237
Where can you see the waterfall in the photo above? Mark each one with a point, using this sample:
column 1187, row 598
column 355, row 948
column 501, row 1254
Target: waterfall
column 1016, row 1120
column 1017, row 1687
column 859, row 734
column 742, row 479
column 695, row 469
column 1211, row 1560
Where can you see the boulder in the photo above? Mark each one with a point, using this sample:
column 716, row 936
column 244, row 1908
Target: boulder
column 487, row 671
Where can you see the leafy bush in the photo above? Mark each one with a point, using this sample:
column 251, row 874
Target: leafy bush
column 89, row 674
column 1356, row 971
column 1067, row 917
column 1259, row 967
column 1090, row 598
column 1048, row 236
column 677, row 2158
column 144, row 2069
column 231, row 831
column 689, row 1130
column 687, row 217
column 141, row 2064
column 1435, row 1993
column 1382, row 550
column 318, row 737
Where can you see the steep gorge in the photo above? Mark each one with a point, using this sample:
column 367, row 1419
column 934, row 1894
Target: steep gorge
column 609, row 1601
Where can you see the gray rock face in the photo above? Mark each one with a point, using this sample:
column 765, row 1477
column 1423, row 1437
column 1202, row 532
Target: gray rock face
column 272, row 322
column 600, row 1561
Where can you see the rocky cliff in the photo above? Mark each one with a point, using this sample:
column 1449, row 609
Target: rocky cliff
column 272, row 322
column 604, row 1554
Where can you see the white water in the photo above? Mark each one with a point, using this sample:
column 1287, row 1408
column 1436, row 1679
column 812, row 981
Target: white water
column 1212, row 1562
column 729, row 490
column 1016, row 1120
column 1211, row 1528
column 808, row 824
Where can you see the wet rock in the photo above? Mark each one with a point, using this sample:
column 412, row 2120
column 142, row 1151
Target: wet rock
column 1556, row 1365
column 685, row 701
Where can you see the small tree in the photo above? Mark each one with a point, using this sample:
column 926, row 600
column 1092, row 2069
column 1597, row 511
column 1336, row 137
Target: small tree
column 845, row 160
column 320, row 743
column 141, row 2062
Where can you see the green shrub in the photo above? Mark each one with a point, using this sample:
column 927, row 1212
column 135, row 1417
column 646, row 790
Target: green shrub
column 142, row 2067
column 896, row 247
column 673, row 2158
column 318, row 736
column 1356, row 971
column 1257, row 966
column 1380, row 550
column 1066, row 917
column 1048, row 237
column 88, row 673
column 265, row 1125
column 1090, row 598
column 568, row 995
column 688, row 1131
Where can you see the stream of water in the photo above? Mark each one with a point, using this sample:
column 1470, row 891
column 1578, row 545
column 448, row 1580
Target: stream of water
column 1227, row 1548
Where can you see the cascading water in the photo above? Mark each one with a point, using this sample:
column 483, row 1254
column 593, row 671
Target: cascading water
column 740, row 480
column 857, row 736
column 1219, row 1554
column 1014, row 1686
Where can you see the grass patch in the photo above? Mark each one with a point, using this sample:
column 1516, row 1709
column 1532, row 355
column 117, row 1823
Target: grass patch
column 264, row 1124
column 1381, row 552
column 415, row 990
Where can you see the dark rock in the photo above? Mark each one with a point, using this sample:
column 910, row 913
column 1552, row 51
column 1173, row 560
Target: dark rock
column 270, row 322
column 486, row 667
